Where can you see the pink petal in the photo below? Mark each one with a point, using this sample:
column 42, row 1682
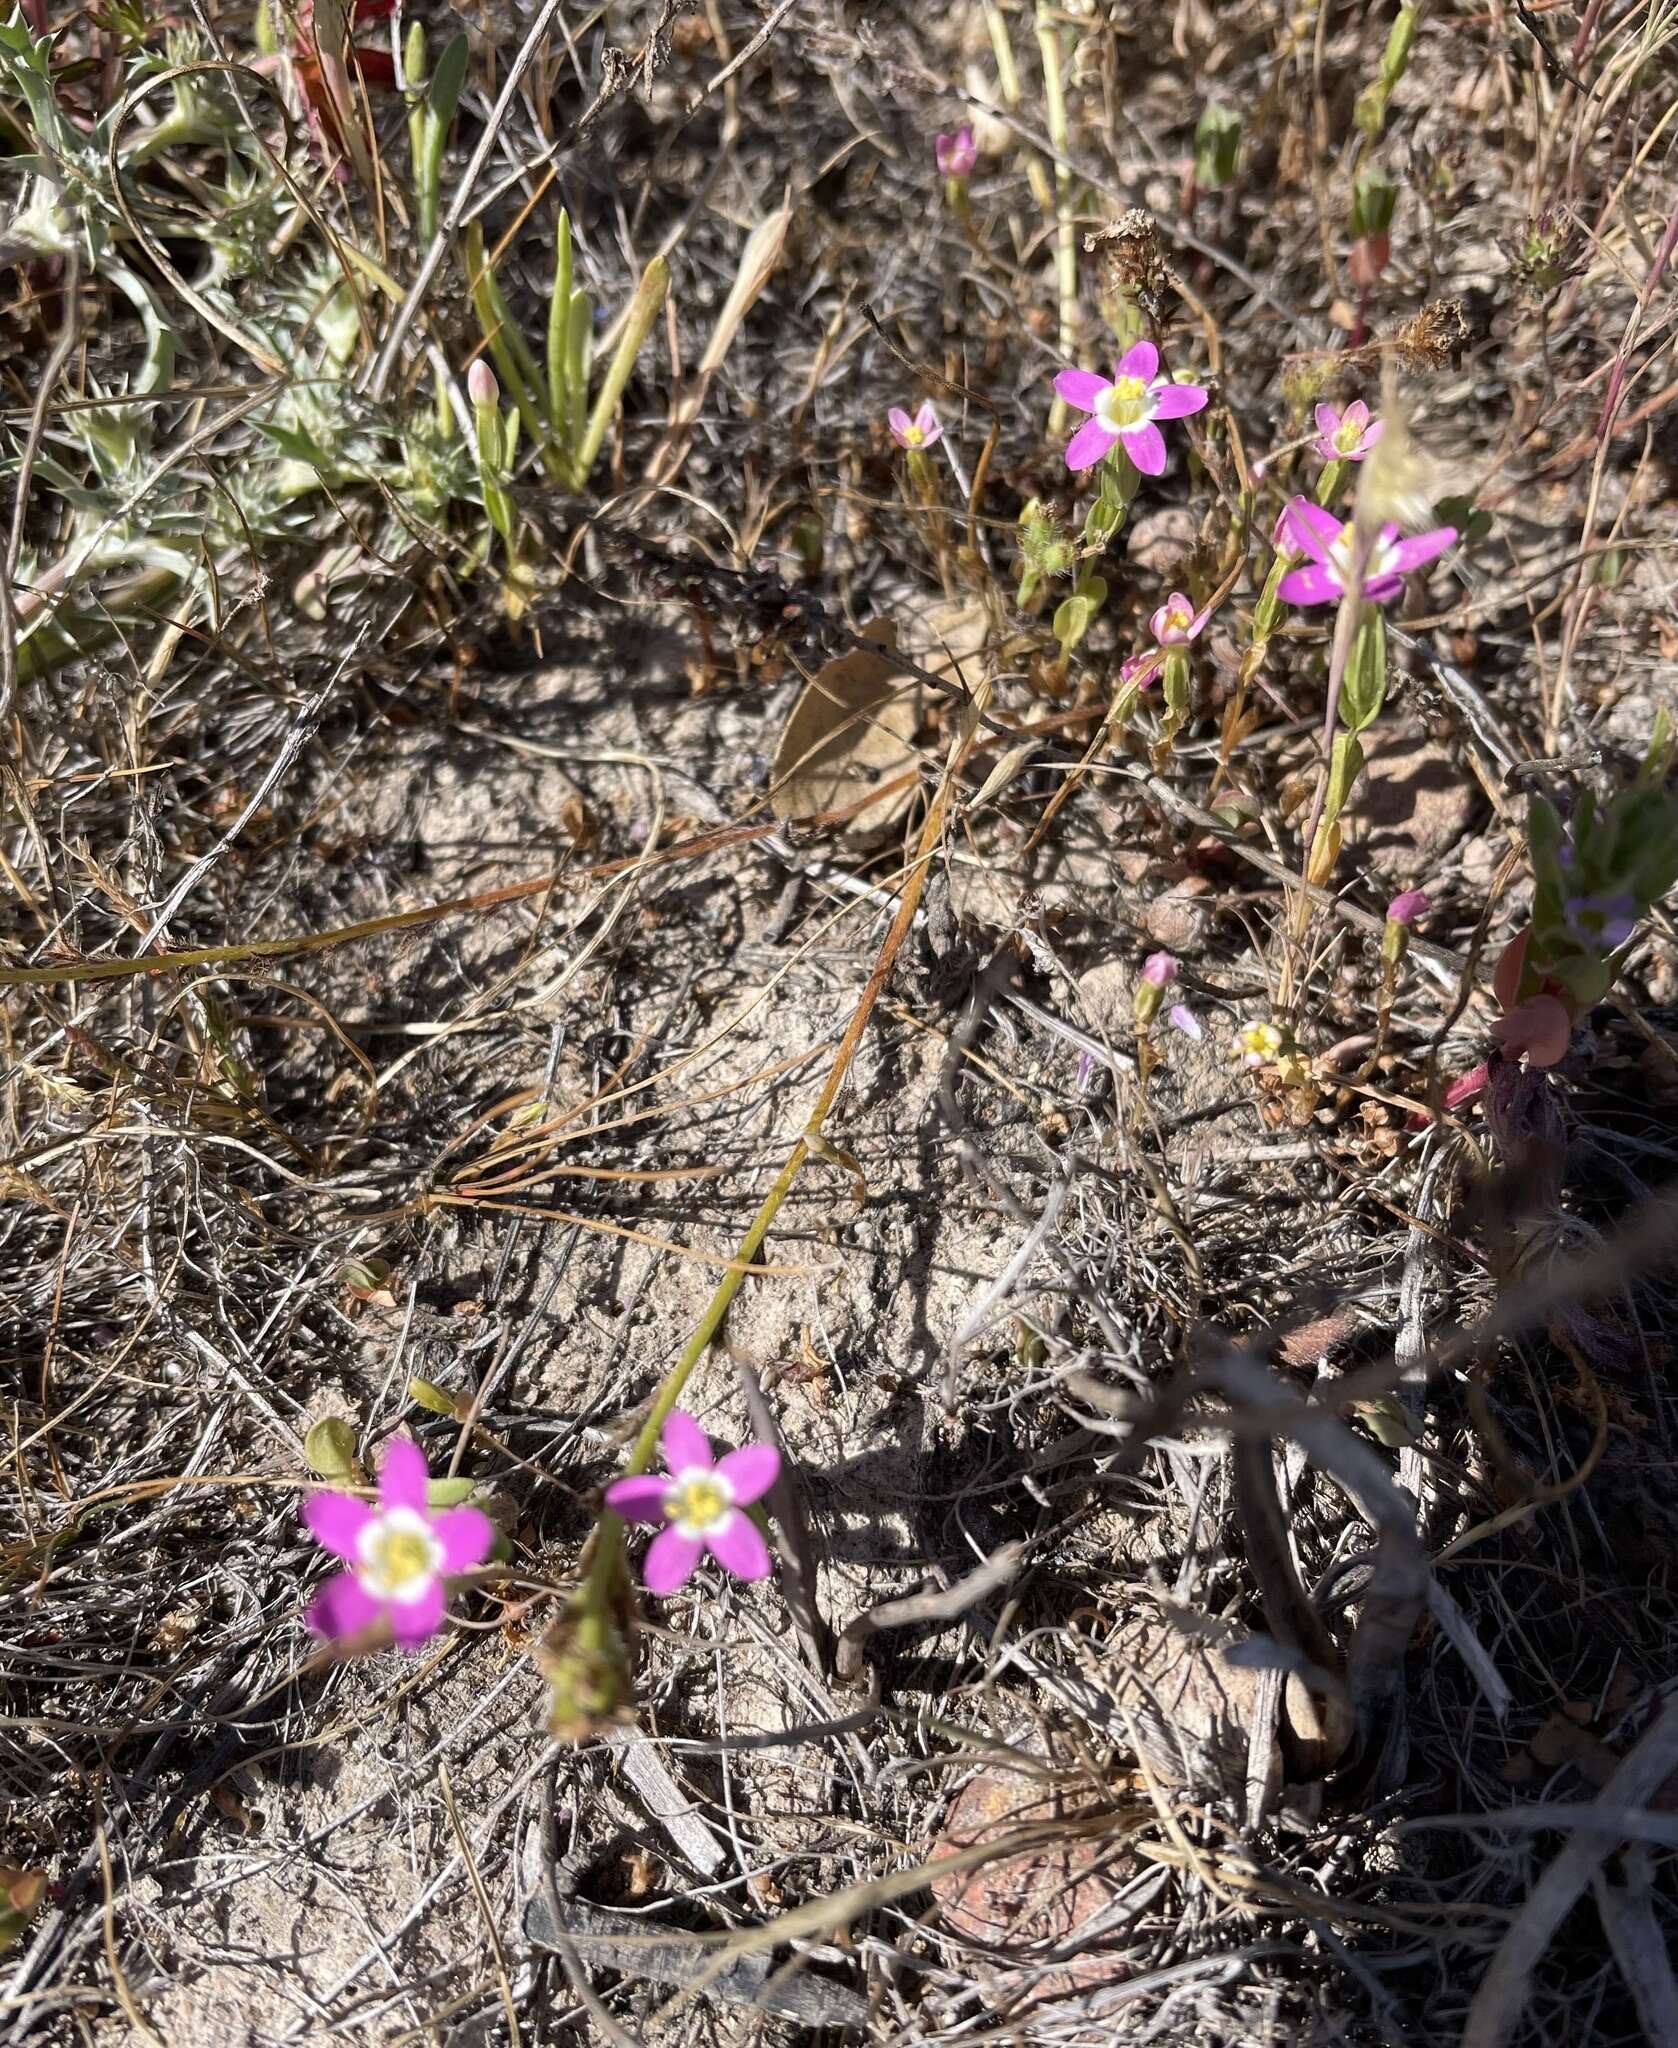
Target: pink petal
column 413, row 1622
column 466, row 1535
column 1145, row 445
column 932, row 428
column 751, row 1470
column 1540, row 1027
column 1177, row 401
column 1372, row 433
column 685, row 1443
column 1185, row 1020
column 900, row 421
column 1379, row 588
column 1419, row 548
column 738, row 1546
column 1089, row 444
column 1315, row 585
column 1141, row 359
column 670, row 1560
column 402, row 1475
column 637, row 1500
column 1327, row 421
column 342, row 1607
column 1082, row 388
column 1312, row 530
column 336, row 1520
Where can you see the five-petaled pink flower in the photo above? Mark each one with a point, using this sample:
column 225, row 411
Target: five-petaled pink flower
column 1126, row 409
column 1176, row 622
column 398, row 1553
column 957, row 153
column 1329, row 543
column 919, row 432
column 1347, row 436
column 702, row 1504
column 1409, row 905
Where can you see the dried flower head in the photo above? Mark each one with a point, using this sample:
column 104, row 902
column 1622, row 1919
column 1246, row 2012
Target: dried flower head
column 1132, row 260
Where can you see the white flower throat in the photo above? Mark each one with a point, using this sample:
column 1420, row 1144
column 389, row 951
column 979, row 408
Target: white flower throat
column 1124, row 404
column 399, row 1555
column 698, row 1500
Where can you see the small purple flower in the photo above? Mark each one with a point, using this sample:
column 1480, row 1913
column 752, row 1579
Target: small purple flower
column 701, row 1504
column 1602, row 923
column 957, row 153
column 919, row 432
column 1159, row 970
column 1408, row 906
column 1347, row 436
column 398, row 1553
column 1328, row 541
column 1125, row 410
column 1176, row 622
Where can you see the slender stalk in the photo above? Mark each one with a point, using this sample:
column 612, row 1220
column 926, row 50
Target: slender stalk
column 605, row 1563
column 1066, row 246
column 1008, row 83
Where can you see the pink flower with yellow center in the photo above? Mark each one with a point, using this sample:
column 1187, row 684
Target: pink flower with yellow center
column 1125, row 410
column 398, row 1553
column 1347, row 436
column 1176, row 622
column 702, row 1503
column 1329, row 543
column 919, row 432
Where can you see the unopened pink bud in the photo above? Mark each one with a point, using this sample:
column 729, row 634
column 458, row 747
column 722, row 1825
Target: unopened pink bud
column 1407, row 906
column 1160, row 969
column 481, row 386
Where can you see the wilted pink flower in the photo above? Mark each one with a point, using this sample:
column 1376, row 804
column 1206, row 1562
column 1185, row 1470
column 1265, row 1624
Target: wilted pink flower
column 1408, row 905
column 957, row 153
column 1160, row 969
column 1176, row 622
column 701, row 1504
column 481, row 386
column 398, row 1553
column 919, row 432
column 1347, row 436
column 1126, row 409
column 1328, row 541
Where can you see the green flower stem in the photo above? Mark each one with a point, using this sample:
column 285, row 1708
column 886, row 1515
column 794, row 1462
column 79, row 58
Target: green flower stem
column 644, row 309
column 516, row 366
column 559, row 332
column 591, row 1606
column 1008, row 82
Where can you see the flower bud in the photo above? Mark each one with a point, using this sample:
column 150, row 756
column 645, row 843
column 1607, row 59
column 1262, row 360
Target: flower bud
column 481, row 386
column 1402, row 912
